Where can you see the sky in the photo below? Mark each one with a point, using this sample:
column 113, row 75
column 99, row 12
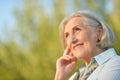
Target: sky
column 7, row 19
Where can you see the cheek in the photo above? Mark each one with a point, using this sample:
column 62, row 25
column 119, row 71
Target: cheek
column 88, row 39
column 67, row 41
column 83, row 37
column 91, row 42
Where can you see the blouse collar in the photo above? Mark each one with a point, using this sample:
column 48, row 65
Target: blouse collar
column 105, row 56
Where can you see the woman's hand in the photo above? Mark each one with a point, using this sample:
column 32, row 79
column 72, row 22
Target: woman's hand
column 65, row 65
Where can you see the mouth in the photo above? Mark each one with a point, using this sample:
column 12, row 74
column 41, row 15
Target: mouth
column 77, row 46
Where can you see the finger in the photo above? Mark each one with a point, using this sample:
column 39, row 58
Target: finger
column 67, row 51
column 69, row 58
column 66, row 57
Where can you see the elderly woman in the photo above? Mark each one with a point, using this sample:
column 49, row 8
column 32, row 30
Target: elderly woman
column 87, row 37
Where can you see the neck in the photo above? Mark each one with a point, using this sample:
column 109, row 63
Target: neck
column 93, row 54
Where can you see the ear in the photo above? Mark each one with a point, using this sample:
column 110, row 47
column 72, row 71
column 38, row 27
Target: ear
column 99, row 33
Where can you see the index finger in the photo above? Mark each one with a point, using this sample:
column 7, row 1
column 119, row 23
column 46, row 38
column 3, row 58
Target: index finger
column 67, row 51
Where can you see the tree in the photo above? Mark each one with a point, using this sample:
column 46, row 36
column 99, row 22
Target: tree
column 38, row 45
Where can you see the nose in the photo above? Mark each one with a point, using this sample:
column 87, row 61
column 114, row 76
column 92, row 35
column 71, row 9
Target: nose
column 74, row 39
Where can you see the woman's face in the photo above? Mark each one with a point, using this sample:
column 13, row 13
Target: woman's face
column 81, row 38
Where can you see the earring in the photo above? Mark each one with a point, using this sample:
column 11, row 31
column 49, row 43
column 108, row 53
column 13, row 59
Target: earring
column 98, row 40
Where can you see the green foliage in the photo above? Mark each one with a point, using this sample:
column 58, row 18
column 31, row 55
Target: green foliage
column 37, row 32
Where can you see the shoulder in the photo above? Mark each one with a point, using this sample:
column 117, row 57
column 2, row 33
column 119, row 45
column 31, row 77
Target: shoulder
column 111, row 69
column 113, row 62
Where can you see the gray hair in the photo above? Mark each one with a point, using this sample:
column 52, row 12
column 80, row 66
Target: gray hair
column 108, row 38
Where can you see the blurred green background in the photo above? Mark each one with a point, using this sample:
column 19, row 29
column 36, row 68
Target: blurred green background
column 33, row 46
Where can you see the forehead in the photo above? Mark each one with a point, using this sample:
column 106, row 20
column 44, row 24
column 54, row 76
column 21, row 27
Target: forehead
column 75, row 21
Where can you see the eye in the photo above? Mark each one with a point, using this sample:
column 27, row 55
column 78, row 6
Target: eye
column 66, row 35
column 77, row 28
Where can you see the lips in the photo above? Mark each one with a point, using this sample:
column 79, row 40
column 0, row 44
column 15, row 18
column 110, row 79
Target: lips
column 77, row 45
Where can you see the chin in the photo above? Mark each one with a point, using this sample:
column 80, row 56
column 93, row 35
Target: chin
column 78, row 55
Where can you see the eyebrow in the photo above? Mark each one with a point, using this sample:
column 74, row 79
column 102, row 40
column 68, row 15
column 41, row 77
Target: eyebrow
column 72, row 29
column 75, row 27
column 80, row 26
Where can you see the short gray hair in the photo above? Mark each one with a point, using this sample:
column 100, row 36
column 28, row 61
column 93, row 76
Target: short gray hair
column 108, row 38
